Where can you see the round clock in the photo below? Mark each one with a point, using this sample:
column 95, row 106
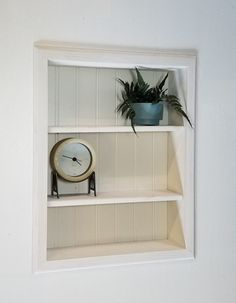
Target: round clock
column 73, row 159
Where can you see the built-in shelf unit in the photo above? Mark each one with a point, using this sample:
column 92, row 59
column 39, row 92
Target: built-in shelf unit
column 144, row 208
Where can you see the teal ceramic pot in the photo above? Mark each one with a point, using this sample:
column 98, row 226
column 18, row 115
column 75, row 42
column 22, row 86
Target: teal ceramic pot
column 147, row 113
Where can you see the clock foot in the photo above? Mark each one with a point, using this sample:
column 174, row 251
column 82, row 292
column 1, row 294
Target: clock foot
column 92, row 184
column 54, row 185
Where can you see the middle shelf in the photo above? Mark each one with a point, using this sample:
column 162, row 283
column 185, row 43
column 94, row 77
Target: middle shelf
column 114, row 198
column 110, row 129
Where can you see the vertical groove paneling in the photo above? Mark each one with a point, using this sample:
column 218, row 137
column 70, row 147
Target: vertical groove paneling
column 143, row 221
column 67, row 96
column 125, row 228
column 57, row 92
column 61, row 227
column 160, row 224
column 106, row 159
column 97, row 107
column 125, row 75
column 107, row 97
column 77, row 89
column 106, row 223
column 115, row 222
column 161, row 158
column 125, row 161
column 135, row 162
column 88, row 225
column 89, row 96
column 52, row 228
column 85, row 225
column 144, row 165
column 153, row 221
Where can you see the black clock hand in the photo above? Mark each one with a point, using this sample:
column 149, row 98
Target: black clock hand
column 73, row 159
column 67, row 157
column 77, row 162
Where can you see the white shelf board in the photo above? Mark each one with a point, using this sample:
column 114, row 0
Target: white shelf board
column 114, row 198
column 111, row 249
column 110, row 129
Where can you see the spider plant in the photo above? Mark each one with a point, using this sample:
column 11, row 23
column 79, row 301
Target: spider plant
column 139, row 91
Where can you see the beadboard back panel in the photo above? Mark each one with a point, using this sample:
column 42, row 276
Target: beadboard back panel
column 100, row 224
column 123, row 162
column 81, row 96
column 86, row 96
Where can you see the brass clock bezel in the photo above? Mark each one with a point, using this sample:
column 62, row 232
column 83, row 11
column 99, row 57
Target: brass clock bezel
column 55, row 164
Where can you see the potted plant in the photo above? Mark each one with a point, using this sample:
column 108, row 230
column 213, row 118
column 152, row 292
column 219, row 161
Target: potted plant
column 143, row 104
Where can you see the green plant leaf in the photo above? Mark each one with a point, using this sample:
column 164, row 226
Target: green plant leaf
column 140, row 80
column 160, row 86
column 173, row 101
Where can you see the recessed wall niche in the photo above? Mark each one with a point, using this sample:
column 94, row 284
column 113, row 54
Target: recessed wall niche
column 143, row 211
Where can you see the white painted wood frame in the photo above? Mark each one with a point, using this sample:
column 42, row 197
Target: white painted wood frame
column 180, row 141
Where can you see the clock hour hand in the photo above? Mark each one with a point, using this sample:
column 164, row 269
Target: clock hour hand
column 73, row 159
column 78, row 161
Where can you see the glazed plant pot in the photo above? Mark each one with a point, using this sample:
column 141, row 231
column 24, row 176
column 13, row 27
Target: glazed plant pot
column 147, row 113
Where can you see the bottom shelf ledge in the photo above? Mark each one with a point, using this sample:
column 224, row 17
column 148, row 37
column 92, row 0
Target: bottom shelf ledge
column 114, row 198
column 112, row 249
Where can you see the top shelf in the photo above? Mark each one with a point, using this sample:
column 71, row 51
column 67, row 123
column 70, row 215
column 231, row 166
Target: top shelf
column 110, row 129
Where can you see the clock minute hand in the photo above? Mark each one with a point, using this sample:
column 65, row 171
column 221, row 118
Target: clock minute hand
column 73, row 159
column 67, row 157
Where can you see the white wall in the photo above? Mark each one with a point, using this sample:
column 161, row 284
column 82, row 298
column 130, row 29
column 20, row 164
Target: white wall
column 205, row 25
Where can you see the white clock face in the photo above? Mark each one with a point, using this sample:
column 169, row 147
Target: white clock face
column 73, row 159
